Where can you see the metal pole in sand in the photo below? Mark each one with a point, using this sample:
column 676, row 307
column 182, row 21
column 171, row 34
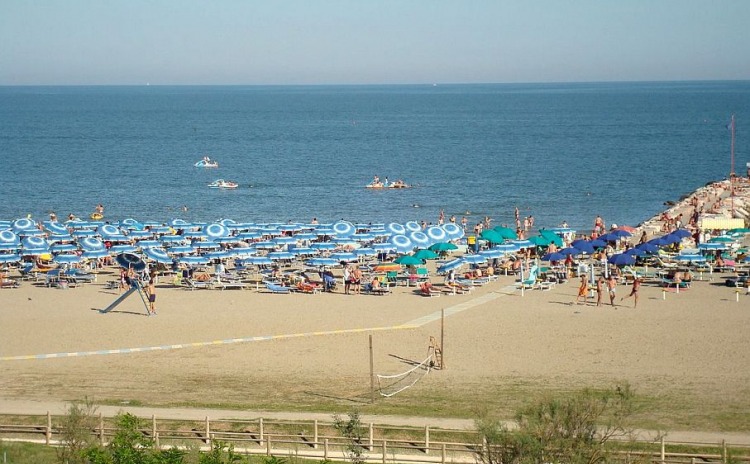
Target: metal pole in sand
column 442, row 338
column 372, row 374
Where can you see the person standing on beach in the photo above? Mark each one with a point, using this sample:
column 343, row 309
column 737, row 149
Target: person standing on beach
column 612, row 288
column 634, row 292
column 357, row 280
column 583, row 290
column 151, row 292
column 347, row 279
column 599, row 290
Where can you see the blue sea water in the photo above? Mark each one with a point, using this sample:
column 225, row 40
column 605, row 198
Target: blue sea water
column 560, row 152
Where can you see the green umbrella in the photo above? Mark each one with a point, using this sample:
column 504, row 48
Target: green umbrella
column 443, row 246
column 722, row 239
column 425, row 254
column 408, row 260
column 506, row 232
column 492, row 236
column 552, row 237
column 540, row 240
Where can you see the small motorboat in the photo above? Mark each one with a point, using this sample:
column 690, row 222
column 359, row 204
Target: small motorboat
column 207, row 162
column 223, row 184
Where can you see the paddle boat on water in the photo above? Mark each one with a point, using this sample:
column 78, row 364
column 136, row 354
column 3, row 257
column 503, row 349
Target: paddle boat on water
column 223, row 184
column 207, row 162
column 397, row 184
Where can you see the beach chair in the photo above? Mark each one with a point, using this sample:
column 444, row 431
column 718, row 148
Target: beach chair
column 304, row 287
column 275, row 288
column 193, row 284
column 530, row 281
column 426, row 290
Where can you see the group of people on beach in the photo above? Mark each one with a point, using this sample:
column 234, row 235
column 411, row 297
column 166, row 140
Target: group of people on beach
column 611, row 287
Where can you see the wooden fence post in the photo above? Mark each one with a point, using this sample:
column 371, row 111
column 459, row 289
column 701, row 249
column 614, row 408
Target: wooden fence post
column 48, row 431
column 153, row 427
column 325, row 449
column 315, row 434
column 101, row 429
column 268, row 446
column 208, row 432
column 724, row 451
column 371, row 441
column 426, row 439
column 260, row 426
column 663, row 451
column 444, row 454
column 385, row 450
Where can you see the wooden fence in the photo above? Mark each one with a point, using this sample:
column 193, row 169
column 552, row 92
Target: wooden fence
column 319, row 440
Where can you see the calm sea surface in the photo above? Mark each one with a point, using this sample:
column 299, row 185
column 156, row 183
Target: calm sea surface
column 558, row 152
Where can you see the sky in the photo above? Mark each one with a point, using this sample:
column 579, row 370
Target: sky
column 289, row 42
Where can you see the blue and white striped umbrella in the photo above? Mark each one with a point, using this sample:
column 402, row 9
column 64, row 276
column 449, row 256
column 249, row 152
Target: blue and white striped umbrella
column 420, row 239
column 19, row 225
column 94, row 254
column 7, row 236
column 267, row 245
column 436, row 234
column 474, row 259
column 34, row 242
column 193, row 260
column 158, row 254
column 218, row 254
column 413, row 226
column 712, row 246
column 290, row 227
column 521, row 244
column 9, row 258
column 259, row 260
column 91, row 243
column 323, row 246
column 250, row 235
column 305, row 236
column 144, row 244
column 230, row 239
column 492, row 253
column 364, row 237
column 117, row 249
column 32, row 232
column 180, row 250
column 304, row 251
column 63, row 247
column 179, row 223
column 344, row 256
column 55, row 227
column 241, row 252
column 206, row 245
column 284, row 240
column 691, row 258
column 57, row 238
column 161, row 230
column 131, row 223
column 280, row 255
column 216, row 230
column 171, row 239
column 365, row 251
column 139, row 234
column 9, row 246
column 107, row 230
column 194, row 234
column 381, row 247
column 321, row 231
column 451, row 265
column 395, row 228
column 80, row 233
column 344, row 229
column 454, row 231
column 321, row 262
column 67, row 258
column 507, row 247
column 402, row 243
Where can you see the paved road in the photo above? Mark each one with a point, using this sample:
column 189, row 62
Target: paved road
column 20, row 407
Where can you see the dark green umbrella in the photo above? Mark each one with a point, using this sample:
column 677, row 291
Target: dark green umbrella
column 506, row 232
column 443, row 246
column 408, row 260
column 425, row 254
column 492, row 236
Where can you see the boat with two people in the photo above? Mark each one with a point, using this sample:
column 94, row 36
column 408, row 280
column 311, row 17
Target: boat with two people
column 207, row 162
column 223, row 184
column 396, row 184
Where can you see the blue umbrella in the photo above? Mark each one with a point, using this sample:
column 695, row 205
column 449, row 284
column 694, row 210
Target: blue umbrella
column 33, row 243
column 7, row 236
column 712, row 246
column 216, row 230
column 251, row 235
column 450, row 265
column 682, row 233
column 570, row 251
column 553, row 257
column 206, row 245
column 194, row 234
column 413, row 226
column 284, row 240
column 280, row 255
column 420, row 239
column 22, row 224
column 91, row 244
column 9, row 258
column 384, row 246
column 506, row 247
column 305, row 236
column 62, row 247
column 523, row 244
column 453, row 230
column 321, row 262
column 344, row 256
column 402, row 243
column 492, row 253
column 221, row 254
column 474, row 259
column 344, row 229
column 365, row 251
column 158, row 254
column 622, row 259
column 143, row 244
column 436, row 234
column 140, row 234
column 55, row 227
column 620, row 233
column 395, row 228
column 362, row 237
column 259, row 260
column 596, row 243
column 583, row 245
column 303, row 251
column 108, row 230
column 636, row 252
column 93, row 254
column 179, row 223
column 195, row 260
column 130, row 261
column 171, row 238
column 649, row 248
column 67, row 258
column 691, row 258
column 132, row 224
column 83, row 233
column 323, row 246
column 122, row 249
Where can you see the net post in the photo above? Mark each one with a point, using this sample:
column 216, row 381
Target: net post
column 442, row 339
column 372, row 374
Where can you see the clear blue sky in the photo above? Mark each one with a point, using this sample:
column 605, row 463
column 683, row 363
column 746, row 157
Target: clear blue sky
column 371, row 42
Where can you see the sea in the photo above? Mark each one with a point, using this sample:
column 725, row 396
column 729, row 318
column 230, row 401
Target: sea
column 558, row 152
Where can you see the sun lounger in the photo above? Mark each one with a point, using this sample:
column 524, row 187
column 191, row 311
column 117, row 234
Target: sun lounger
column 307, row 288
column 275, row 288
column 193, row 284
column 225, row 284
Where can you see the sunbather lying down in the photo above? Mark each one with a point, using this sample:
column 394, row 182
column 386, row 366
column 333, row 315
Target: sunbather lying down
column 201, row 277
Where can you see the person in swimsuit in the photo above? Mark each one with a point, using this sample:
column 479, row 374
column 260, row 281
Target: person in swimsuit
column 634, row 292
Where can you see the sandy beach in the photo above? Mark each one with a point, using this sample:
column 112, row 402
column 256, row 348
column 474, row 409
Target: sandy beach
column 686, row 353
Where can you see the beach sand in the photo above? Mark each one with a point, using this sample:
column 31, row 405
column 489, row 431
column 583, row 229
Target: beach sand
column 687, row 353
